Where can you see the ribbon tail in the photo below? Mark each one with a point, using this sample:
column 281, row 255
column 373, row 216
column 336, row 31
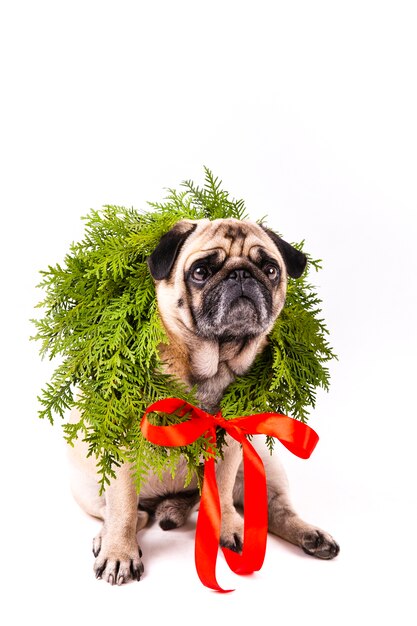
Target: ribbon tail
column 208, row 530
column 255, row 515
column 299, row 438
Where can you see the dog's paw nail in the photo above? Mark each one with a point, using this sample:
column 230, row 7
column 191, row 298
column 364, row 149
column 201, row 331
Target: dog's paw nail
column 111, row 579
column 238, row 543
column 100, row 569
column 96, row 545
column 235, row 544
column 120, row 580
column 136, row 570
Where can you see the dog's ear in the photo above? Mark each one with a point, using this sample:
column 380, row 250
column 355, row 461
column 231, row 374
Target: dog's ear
column 295, row 260
column 162, row 259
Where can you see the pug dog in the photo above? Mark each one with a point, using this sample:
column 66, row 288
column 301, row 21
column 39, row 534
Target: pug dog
column 220, row 287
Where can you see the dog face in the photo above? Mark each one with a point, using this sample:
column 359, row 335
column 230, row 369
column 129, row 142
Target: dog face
column 222, row 280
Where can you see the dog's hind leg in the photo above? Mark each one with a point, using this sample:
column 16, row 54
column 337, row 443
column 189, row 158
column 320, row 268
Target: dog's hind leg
column 283, row 521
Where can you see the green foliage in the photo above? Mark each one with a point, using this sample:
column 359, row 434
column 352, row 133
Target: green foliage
column 101, row 319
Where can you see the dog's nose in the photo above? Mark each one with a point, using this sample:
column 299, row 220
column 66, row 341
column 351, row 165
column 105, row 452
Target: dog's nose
column 239, row 275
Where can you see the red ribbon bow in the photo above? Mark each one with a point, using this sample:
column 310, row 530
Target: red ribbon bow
column 299, row 438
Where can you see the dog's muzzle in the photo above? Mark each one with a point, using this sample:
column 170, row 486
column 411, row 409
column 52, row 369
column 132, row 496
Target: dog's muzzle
column 238, row 306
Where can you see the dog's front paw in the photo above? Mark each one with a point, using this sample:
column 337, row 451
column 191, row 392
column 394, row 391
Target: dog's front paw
column 319, row 544
column 231, row 535
column 117, row 562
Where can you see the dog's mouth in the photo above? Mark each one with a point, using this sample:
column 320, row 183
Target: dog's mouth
column 243, row 303
column 242, row 318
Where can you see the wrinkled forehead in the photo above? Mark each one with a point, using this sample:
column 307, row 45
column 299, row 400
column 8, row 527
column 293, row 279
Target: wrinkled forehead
column 229, row 238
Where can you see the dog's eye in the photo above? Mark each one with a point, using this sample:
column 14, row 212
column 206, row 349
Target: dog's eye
column 271, row 271
column 201, row 273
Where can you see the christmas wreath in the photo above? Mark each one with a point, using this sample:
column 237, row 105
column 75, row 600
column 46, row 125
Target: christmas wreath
column 100, row 318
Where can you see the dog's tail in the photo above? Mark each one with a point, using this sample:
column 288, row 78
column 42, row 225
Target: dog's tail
column 171, row 510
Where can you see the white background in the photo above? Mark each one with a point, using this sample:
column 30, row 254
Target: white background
column 307, row 110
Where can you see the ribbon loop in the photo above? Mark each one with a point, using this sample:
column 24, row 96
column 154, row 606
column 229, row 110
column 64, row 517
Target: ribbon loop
column 297, row 437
